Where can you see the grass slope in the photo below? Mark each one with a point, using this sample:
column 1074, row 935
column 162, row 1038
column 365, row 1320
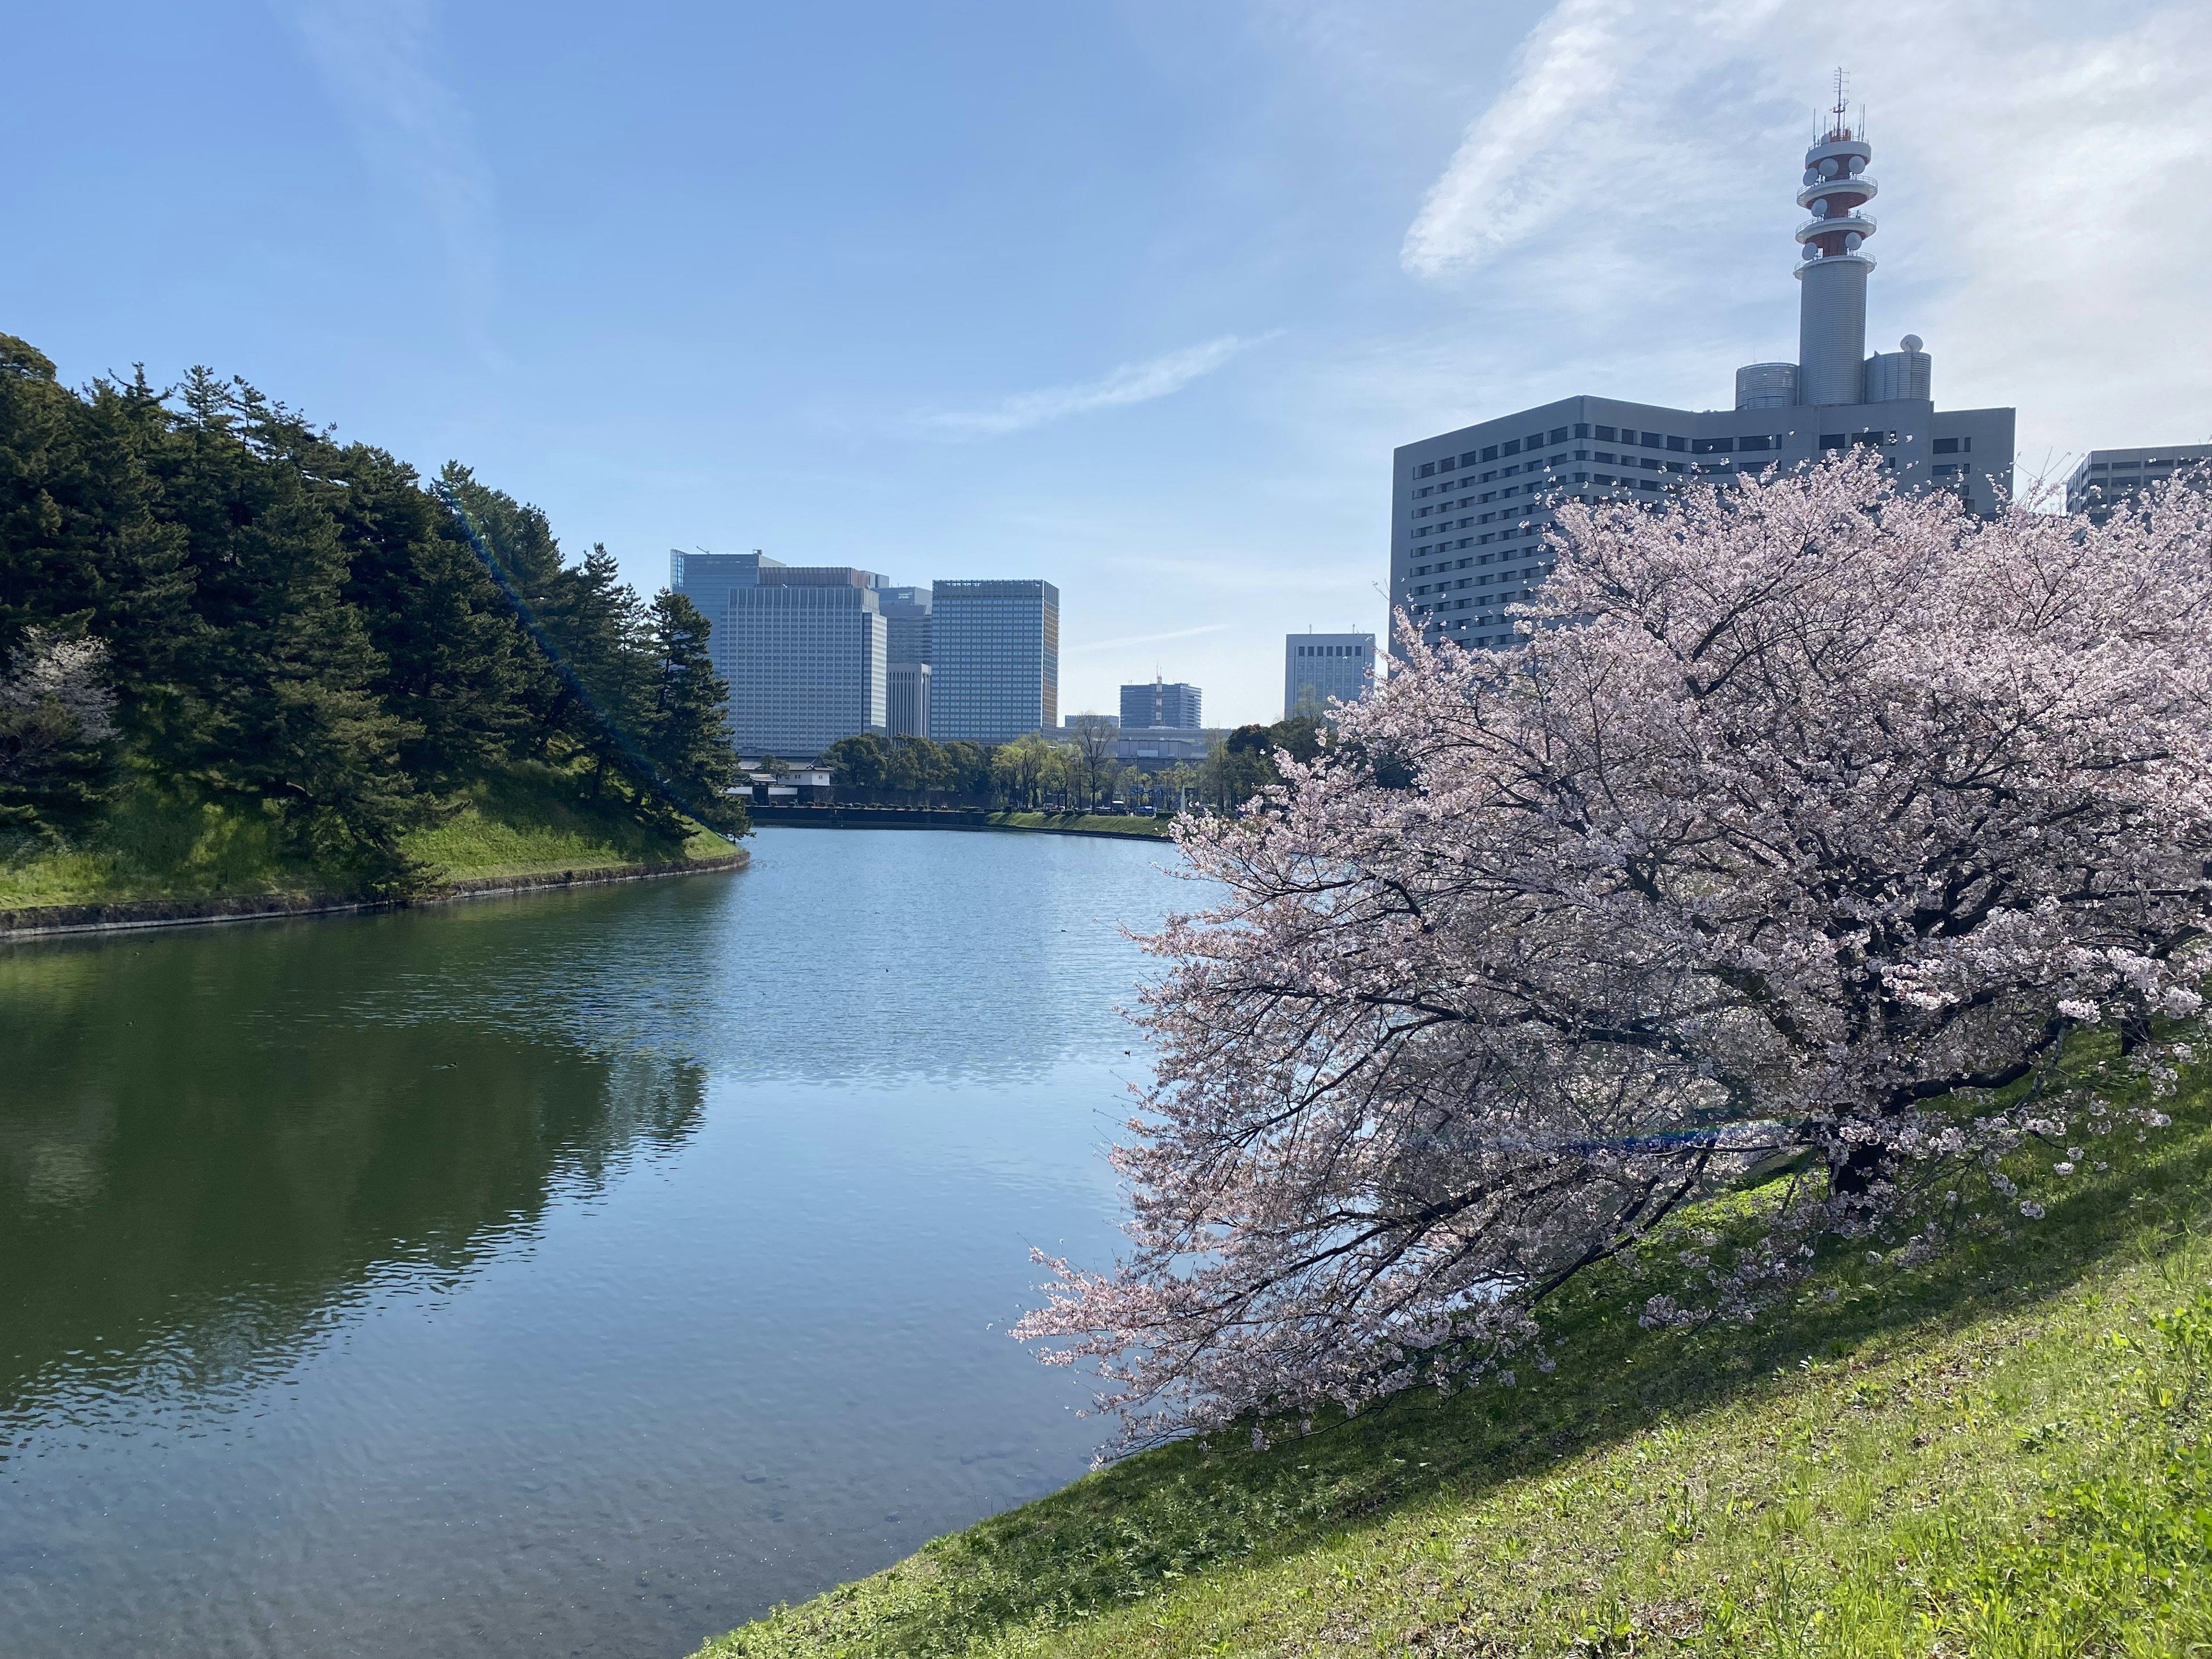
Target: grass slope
column 1124, row 823
column 2001, row 1453
column 529, row 821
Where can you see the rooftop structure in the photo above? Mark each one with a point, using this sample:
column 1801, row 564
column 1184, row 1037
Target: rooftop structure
column 1470, row 507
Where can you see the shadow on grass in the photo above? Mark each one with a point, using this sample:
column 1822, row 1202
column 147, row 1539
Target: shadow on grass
column 1189, row 1507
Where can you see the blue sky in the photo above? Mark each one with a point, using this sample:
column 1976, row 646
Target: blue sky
column 1135, row 297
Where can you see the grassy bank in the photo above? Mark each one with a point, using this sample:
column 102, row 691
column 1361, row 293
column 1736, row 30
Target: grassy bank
column 526, row 821
column 2001, row 1453
column 1113, row 823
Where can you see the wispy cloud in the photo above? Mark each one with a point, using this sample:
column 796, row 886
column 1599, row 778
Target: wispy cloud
column 1131, row 383
column 378, row 58
column 1151, row 638
column 1626, row 200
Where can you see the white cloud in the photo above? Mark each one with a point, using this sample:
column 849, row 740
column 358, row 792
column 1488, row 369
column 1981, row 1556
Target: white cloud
column 376, row 57
column 1131, row 383
column 1152, row 639
column 1621, row 212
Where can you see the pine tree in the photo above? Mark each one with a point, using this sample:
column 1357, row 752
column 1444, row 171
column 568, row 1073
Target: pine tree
column 688, row 730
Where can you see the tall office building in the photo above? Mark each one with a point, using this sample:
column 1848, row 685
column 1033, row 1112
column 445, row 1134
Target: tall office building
column 906, row 621
column 1161, row 707
column 1318, row 667
column 994, row 660
column 907, row 609
column 804, row 648
column 1470, row 507
column 2107, row 478
column 708, row 581
column 909, row 699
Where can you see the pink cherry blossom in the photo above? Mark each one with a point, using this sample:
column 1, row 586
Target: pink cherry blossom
column 1807, row 817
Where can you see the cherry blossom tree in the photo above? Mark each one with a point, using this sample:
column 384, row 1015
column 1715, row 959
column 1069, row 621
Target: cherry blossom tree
column 1805, row 824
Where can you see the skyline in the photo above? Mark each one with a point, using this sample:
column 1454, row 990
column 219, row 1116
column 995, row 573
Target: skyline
column 1009, row 296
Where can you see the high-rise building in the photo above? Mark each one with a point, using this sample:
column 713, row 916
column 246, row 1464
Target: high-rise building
column 803, row 648
column 907, row 611
column 1320, row 667
column 707, row 580
column 909, row 699
column 1470, row 507
column 2107, row 478
column 1159, row 706
column 994, row 660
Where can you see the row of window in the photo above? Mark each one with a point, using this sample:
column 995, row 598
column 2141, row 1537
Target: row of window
column 1748, row 444
column 1559, row 435
column 1332, row 651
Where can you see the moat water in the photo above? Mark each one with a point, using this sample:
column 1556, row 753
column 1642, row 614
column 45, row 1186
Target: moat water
column 576, row 1274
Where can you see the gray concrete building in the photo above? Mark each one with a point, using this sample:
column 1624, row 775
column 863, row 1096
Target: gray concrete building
column 2107, row 478
column 994, row 660
column 804, row 648
column 1469, row 507
column 1161, row 705
column 1319, row 667
column 909, row 699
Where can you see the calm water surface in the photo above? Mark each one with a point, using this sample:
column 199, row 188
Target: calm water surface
column 578, row 1274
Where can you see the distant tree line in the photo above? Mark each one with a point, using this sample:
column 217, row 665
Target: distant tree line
column 1075, row 772
column 203, row 594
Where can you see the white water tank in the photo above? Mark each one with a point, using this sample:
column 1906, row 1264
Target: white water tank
column 1907, row 373
column 1766, row 386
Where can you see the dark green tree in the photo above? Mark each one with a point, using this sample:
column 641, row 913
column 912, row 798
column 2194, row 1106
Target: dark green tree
column 860, row 764
column 687, row 735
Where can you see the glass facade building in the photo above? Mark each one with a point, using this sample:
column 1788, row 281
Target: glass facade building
column 994, row 660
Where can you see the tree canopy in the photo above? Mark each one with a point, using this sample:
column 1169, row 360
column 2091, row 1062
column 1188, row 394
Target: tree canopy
column 202, row 592
column 1806, row 824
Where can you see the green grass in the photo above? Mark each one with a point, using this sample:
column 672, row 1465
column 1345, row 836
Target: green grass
column 530, row 821
column 1128, row 823
column 2001, row 1453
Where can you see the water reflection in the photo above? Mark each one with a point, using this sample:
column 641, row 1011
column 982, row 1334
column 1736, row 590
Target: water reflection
column 587, row 1272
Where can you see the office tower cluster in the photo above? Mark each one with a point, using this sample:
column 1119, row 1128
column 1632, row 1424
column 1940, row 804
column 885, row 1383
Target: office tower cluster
column 813, row 654
column 1470, row 507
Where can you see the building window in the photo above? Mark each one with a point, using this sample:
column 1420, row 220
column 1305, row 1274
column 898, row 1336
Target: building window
column 1950, row 446
column 1558, row 435
column 1605, row 434
column 1469, row 458
column 1510, row 446
column 1757, row 443
column 1712, row 446
column 1582, row 429
column 1653, row 440
column 1489, row 453
column 1678, row 443
column 1833, row 440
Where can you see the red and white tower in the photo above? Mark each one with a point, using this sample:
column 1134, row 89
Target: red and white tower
column 1831, row 302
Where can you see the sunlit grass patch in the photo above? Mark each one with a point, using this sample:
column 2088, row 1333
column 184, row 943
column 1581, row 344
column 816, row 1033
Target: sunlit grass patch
column 1998, row 1452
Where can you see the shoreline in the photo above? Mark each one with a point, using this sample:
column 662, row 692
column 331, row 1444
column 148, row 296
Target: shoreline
column 135, row 915
column 934, row 817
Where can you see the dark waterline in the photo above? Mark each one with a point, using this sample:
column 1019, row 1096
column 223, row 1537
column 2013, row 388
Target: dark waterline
column 576, row 1274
